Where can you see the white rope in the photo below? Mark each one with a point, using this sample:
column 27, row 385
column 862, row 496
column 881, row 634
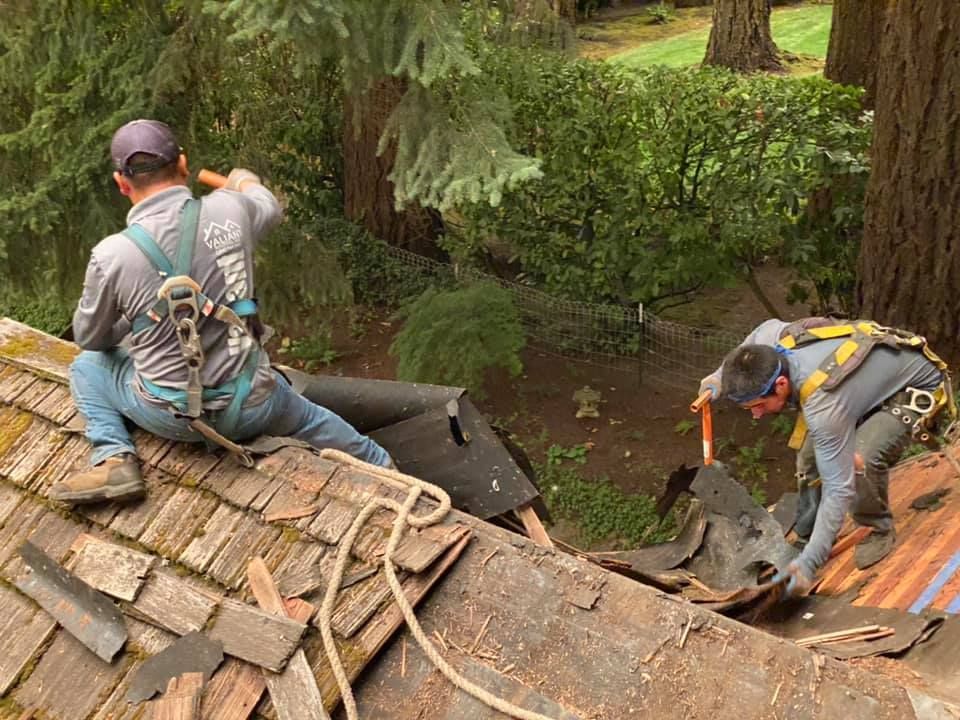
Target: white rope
column 414, row 488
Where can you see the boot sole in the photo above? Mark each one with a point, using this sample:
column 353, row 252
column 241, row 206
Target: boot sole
column 128, row 491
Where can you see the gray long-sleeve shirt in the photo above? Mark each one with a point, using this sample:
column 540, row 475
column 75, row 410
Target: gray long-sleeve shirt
column 832, row 419
column 121, row 284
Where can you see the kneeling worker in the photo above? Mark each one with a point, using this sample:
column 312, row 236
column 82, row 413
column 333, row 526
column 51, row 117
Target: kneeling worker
column 180, row 279
column 864, row 393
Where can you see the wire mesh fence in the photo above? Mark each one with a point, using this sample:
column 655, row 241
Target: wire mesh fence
column 629, row 339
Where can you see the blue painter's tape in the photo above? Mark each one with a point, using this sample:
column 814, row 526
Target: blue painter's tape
column 934, row 588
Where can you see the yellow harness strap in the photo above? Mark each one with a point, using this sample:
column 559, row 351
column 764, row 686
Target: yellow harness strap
column 843, row 354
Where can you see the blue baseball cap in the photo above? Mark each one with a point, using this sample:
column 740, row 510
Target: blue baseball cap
column 149, row 137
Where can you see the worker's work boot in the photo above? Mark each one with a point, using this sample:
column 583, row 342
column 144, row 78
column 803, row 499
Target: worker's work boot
column 873, row 548
column 116, row 478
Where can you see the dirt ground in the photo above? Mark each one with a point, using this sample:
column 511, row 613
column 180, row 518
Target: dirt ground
column 643, row 432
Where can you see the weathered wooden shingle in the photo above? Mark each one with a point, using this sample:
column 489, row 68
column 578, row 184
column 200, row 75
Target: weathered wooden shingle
column 256, row 636
column 211, row 538
column 233, row 692
column 35, row 394
column 113, row 569
column 177, row 521
column 189, row 462
column 249, row 539
column 171, row 603
column 13, row 381
column 69, row 458
column 69, row 681
column 133, row 519
column 58, row 406
column 50, row 531
column 14, row 424
column 45, row 441
column 24, row 628
column 333, row 521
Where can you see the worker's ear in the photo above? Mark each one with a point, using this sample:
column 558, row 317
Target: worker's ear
column 182, row 166
column 782, row 386
column 122, row 183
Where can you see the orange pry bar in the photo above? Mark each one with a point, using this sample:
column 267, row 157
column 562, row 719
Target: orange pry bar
column 702, row 405
column 211, row 178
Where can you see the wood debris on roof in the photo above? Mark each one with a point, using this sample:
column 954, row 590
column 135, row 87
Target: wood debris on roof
column 923, row 570
column 177, row 562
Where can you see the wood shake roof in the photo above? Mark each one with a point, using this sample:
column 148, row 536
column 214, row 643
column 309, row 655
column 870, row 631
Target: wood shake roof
column 508, row 614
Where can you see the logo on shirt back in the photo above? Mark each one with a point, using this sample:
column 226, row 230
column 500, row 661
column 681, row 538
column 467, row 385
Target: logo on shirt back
column 219, row 237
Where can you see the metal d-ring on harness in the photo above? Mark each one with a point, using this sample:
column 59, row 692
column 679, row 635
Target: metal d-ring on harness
column 181, row 300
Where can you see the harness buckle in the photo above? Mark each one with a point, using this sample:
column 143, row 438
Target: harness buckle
column 180, row 293
column 921, row 402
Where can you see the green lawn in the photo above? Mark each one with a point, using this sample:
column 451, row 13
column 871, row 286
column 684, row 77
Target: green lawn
column 804, row 31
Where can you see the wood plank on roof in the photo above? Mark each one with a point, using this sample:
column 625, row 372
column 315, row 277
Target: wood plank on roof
column 45, row 442
column 58, row 406
column 229, row 566
column 290, row 503
column 304, row 563
column 181, row 701
column 17, row 527
column 178, row 521
column 374, row 635
column 13, row 381
column 173, row 604
column 116, row 707
column 51, row 532
column 189, row 462
column 233, row 691
column 147, row 638
column 150, row 448
column 357, row 604
column 71, row 457
column 43, row 354
column 214, row 535
column 69, row 680
column 333, row 521
column 24, row 629
column 14, row 424
column 133, row 519
column 236, row 484
column 116, row 570
column 256, row 636
column 309, row 472
column 420, row 548
column 34, row 395
column 293, row 692
column 10, row 498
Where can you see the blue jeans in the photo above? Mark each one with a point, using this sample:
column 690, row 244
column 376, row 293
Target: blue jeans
column 102, row 385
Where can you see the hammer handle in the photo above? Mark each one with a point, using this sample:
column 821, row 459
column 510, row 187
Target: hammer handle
column 211, row 178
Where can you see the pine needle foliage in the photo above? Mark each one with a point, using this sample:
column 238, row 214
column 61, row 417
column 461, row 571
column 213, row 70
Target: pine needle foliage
column 452, row 337
column 449, row 136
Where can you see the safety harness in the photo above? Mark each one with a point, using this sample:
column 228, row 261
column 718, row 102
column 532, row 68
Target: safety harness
column 181, row 301
column 862, row 337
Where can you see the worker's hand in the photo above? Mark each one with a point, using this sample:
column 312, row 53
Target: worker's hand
column 711, row 383
column 239, row 177
column 798, row 582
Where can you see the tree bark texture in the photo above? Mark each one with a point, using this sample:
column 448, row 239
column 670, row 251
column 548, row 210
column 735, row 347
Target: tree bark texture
column 740, row 37
column 368, row 196
column 909, row 264
column 854, row 50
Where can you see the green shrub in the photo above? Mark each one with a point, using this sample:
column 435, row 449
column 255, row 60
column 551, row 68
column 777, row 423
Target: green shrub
column 47, row 314
column 660, row 14
column 452, row 337
column 600, row 510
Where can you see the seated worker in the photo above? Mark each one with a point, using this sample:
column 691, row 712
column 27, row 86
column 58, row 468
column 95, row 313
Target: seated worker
column 864, row 392
column 195, row 352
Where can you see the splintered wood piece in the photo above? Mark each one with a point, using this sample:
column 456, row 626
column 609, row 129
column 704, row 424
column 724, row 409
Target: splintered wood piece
column 293, row 512
column 533, row 526
column 113, row 569
column 181, row 701
column 233, row 691
column 294, row 692
column 256, row 636
column 172, row 604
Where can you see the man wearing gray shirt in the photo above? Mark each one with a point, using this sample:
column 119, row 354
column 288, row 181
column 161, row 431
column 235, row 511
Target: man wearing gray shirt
column 177, row 288
column 863, row 392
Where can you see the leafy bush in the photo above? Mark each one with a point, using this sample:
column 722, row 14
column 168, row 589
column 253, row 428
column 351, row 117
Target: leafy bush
column 452, row 337
column 660, row 182
column 660, row 14
column 42, row 312
column 601, row 510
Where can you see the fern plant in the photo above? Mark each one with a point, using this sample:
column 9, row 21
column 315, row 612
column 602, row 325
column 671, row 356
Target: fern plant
column 452, row 337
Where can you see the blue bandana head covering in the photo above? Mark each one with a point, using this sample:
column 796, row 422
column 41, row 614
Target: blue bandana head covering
column 768, row 386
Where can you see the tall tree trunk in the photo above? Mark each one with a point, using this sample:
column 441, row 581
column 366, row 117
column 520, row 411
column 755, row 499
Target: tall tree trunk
column 740, row 37
column 909, row 265
column 854, row 50
column 367, row 193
